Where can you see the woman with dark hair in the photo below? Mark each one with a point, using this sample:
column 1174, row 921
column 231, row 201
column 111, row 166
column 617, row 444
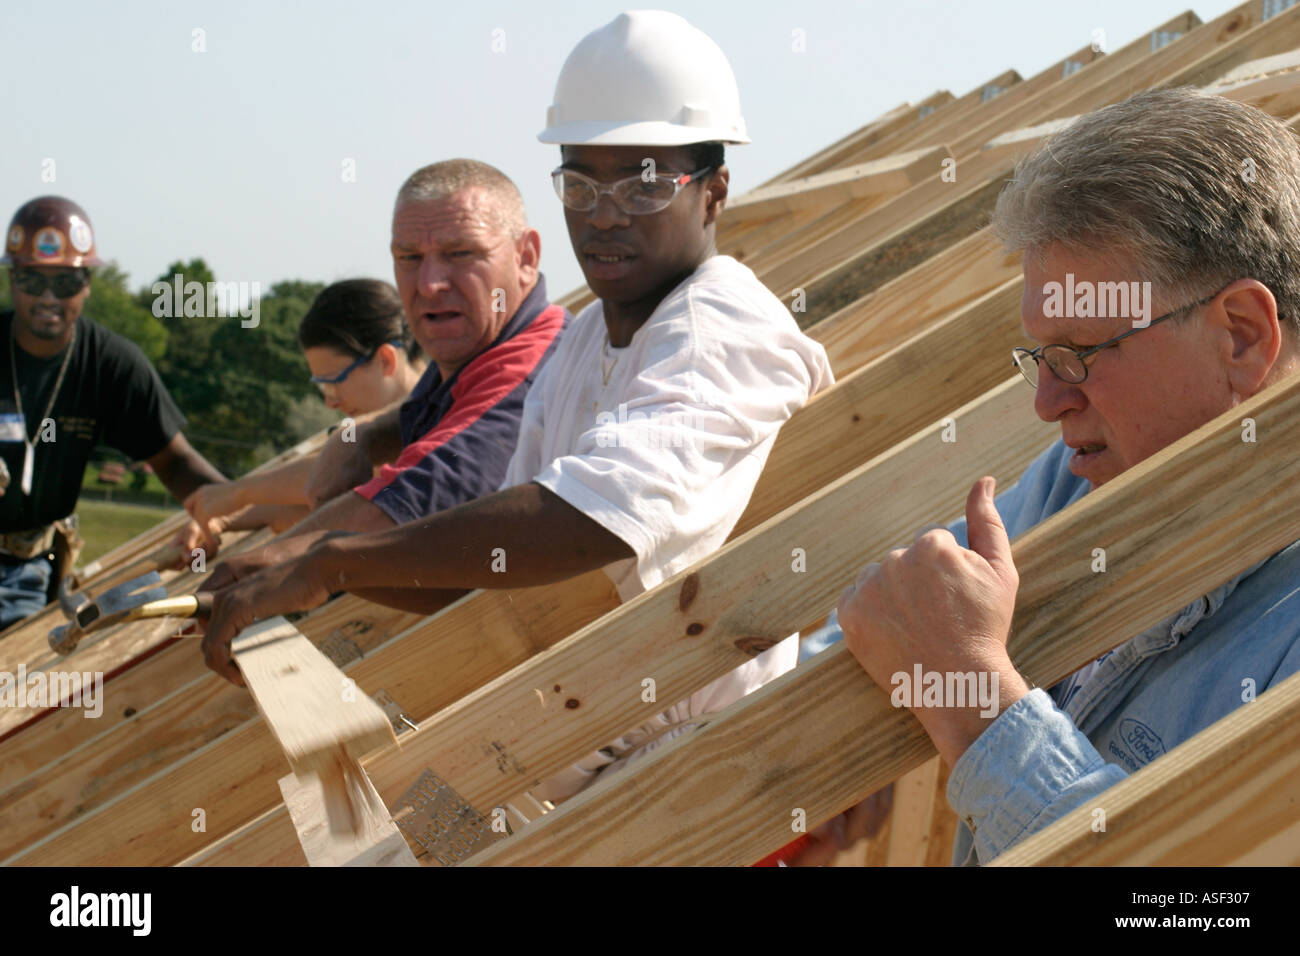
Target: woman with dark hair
column 364, row 359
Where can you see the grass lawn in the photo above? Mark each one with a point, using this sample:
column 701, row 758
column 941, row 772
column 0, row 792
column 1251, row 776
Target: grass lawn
column 105, row 525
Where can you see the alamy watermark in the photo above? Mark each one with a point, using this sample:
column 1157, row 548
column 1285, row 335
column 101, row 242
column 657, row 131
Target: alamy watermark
column 626, row 429
column 945, row 689
column 40, row 689
column 211, row 300
column 76, row 908
column 1098, row 300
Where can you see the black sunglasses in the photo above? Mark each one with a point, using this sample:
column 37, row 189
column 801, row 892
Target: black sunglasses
column 64, row 284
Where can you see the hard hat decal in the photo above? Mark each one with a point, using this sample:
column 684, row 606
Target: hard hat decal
column 16, row 238
column 79, row 234
column 49, row 244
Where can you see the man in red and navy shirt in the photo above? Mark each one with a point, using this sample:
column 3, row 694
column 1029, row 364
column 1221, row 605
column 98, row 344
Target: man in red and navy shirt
column 459, row 432
column 466, row 265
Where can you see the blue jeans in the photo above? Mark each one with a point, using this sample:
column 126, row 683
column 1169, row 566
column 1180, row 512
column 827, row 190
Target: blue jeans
column 23, row 587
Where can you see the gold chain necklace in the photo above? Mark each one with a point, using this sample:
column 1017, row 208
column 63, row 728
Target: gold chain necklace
column 606, row 370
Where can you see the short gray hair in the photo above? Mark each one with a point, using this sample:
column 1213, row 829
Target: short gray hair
column 440, row 180
column 1196, row 190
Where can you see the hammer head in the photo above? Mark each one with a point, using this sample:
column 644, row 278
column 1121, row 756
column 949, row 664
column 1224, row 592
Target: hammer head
column 115, row 603
column 69, row 602
column 65, row 638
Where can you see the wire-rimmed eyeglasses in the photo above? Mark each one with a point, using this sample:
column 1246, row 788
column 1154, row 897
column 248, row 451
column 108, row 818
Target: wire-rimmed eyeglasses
column 1067, row 363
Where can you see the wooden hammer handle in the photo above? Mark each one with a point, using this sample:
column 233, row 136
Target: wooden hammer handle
column 188, row 605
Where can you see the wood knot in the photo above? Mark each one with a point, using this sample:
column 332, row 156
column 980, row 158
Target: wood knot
column 690, row 588
column 753, row 646
column 856, row 418
column 129, row 712
column 695, row 629
column 572, row 703
column 557, row 688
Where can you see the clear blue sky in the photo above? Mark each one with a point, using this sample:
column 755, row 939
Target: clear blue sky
column 236, row 154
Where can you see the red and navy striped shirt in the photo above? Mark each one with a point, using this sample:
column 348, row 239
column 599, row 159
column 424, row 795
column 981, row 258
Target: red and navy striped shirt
column 458, row 435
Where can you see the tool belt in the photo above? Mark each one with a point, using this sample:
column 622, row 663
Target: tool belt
column 61, row 540
column 28, row 544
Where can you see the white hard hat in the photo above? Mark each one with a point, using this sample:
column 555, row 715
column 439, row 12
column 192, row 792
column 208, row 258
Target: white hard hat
column 647, row 78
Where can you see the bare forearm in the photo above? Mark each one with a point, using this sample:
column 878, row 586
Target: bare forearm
column 348, row 512
column 277, row 517
column 521, row 537
column 383, row 436
column 184, row 473
column 413, row 600
column 282, row 485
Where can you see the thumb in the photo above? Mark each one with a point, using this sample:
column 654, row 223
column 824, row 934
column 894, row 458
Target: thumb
column 985, row 532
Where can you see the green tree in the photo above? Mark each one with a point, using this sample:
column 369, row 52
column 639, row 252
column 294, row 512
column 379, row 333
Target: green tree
column 113, row 306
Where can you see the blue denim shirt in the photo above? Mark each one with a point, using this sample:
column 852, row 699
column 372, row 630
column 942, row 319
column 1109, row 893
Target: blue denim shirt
column 1052, row 752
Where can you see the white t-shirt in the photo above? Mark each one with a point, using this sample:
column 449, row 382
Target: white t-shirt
column 662, row 443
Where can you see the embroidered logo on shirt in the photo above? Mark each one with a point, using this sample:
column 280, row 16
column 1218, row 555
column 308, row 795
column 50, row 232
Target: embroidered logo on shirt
column 1143, row 742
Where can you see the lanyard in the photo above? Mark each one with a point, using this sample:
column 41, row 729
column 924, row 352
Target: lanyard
column 29, row 453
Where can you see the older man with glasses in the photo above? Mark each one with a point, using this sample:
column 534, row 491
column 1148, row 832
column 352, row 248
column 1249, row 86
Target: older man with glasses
column 72, row 386
column 1150, row 190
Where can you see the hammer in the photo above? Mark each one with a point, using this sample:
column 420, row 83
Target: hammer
column 71, row 601
column 143, row 597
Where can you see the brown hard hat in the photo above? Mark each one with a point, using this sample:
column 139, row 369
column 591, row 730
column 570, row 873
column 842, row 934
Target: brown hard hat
column 50, row 231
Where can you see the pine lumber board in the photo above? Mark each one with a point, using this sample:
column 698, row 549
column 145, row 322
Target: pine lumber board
column 1009, row 104
column 379, row 843
column 1036, row 107
column 179, row 707
column 823, row 737
column 965, row 272
column 891, row 239
column 858, row 257
column 1230, row 795
column 85, row 777
column 762, row 260
column 323, row 725
column 1278, row 95
column 702, row 623
column 469, row 643
column 860, row 269
column 1195, row 59
column 274, row 828
column 886, row 176
column 856, row 252
column 953, row 114
column 301, row 695
column 747, row 239
column 915, row 116
column 959, row 358
column 918, row 794
column 919, row 829
column 107, row 651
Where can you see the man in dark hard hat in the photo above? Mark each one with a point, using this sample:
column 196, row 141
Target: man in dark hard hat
column 67, row 385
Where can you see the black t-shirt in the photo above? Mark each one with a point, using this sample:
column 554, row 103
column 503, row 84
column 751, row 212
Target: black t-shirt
column 111, row 395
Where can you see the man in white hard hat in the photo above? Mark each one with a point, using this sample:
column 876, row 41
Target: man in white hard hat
column 646, row 432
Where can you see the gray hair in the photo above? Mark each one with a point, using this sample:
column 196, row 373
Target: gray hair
column 1196, row 190
column 440, row 180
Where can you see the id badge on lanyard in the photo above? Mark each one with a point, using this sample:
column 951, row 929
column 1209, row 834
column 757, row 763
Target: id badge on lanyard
column 13, row 427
